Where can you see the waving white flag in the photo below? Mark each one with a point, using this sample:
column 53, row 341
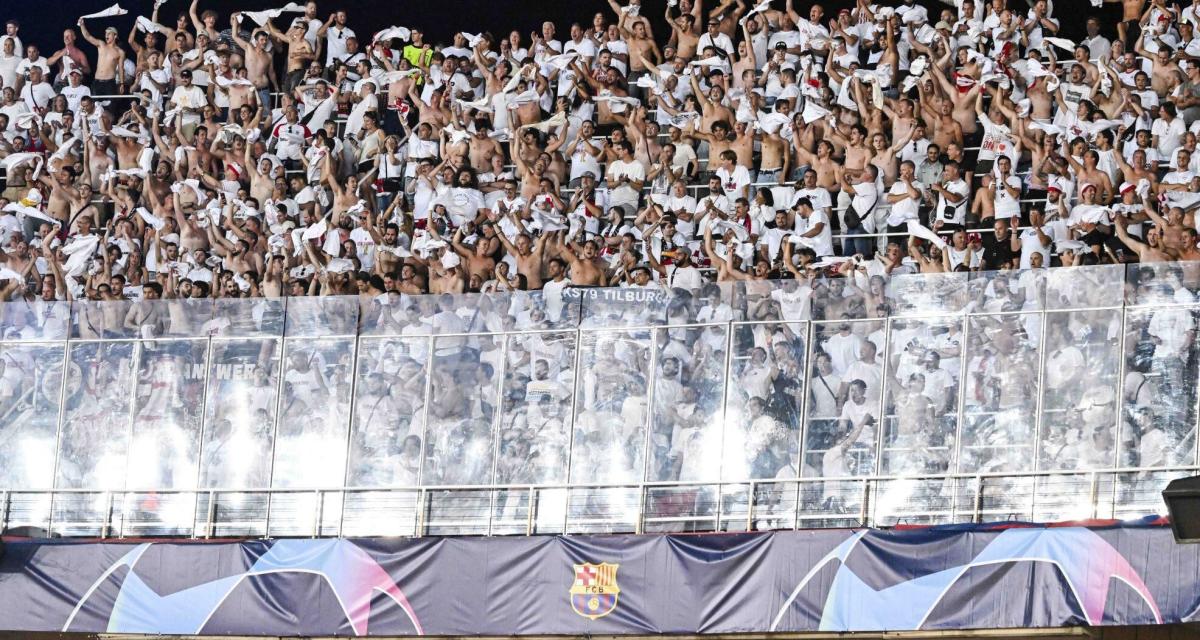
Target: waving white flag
column 114, row 10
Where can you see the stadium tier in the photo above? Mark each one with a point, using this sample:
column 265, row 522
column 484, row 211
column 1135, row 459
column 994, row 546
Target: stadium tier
column 865, row 317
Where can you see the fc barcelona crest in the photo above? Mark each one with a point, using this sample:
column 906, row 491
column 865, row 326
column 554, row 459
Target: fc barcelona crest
column 594, row 592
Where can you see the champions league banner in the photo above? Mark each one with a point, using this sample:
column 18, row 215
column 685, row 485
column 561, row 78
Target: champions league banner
column 827, row 580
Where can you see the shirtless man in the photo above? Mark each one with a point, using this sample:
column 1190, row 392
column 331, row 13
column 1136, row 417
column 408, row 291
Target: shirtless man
column 712, row 108
column 110, row 64
column 1131, row 14
column 476, row 258
column 1148, row 251
column 857, row 154
column 586, row 267
column 258, row 60
column 684, row 33
column 528, row 254
column 829, row 170
column 299, row 52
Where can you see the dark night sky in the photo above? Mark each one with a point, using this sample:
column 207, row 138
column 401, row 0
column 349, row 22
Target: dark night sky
column 42, row 22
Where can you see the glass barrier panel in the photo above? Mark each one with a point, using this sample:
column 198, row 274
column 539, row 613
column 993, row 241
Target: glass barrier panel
column 846, row 382
column 924, row 368
column 682, row 509
column 1007, row 291
column 1079, row 390
column 999, row 400
column 319, row 316
column 239, row 415
column 765, row 399
column 304, row 514
column 34, row 320
column 536, row 397
column 550, row 511
column 378, row 513
column 389, row 412
column 232, row 514
column 1158, row 426
column 246, row 318
column 185, row 317
column 775, row 505
column 689, row 385
column 152, row 513
column 106, row 319
column 1006, row 498
column 82, row 514
column 458, row 512
column 831, row 503
column 912, row 501
column 603, row 509
column 928, row 294
column 1139, row 493
column 620, row 306
column 314, row 413
column 31, row 387
column 610, row 407
column 97, row 419
column 858, row 298
column 1064, row 497
column 460, row 437
column 28, row 514
column 168, row 414
column 1085, row 287
column 1162, row 283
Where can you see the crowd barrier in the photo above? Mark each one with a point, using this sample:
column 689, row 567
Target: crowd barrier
column 1035, row 395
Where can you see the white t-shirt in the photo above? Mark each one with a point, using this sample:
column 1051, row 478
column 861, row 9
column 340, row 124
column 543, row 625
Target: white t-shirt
column 736, row 182
column 958, row 187
column 191, row 97
column 1006, row 205
column 625, row 194
column 905, row 209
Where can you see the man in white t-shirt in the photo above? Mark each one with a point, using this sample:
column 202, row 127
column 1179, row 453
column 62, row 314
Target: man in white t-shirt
column 811, row 228
column 625, row 176
column 1005, row 189
column 905, row 198
column 735, row 179
column 864, row 196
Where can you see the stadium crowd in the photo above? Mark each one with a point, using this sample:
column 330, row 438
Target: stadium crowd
column 278, row 153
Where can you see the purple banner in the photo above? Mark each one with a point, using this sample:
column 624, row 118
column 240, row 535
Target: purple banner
column 829, row 580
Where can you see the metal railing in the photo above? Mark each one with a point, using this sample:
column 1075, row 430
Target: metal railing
column 750, row 505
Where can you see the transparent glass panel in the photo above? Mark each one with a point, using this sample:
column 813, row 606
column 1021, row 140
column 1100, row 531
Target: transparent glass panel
column 104, row 319
column 379, row 513
column 233, row 514
column 859, row 298
column 30, row 393
column 921, row 420
column 186, row 317
column 913, row 501
column 616, row 307
column 1083, row 287
column 535, row 424
column 603, row 509
column 389, row 413
column 846, row 381
column 1006, row 498
column 314, row 413
column 168, row 414
column 1079, row 387
column 1162, row 283
column 458, row 512
column 97, row 422
column 1139, row 493
column 1063, row 497
column 322, row 316
column 460, row 440
column 83, row 514
column 685, row 438
column 683, row 509
column 156, row 513
column 239, row 416
column 928, row 293
column 1007, row 291
column 610, row 411
column 1159, row 410
column 831, row 503
column 24, row 320
column 765, row 398
column 999, row 393
column 246, row 318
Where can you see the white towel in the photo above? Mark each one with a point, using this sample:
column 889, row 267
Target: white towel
column 261, row 17
column 400, row 33
column 473, row 39
column 114, row 10
column 151, row 219
column 147, row 25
